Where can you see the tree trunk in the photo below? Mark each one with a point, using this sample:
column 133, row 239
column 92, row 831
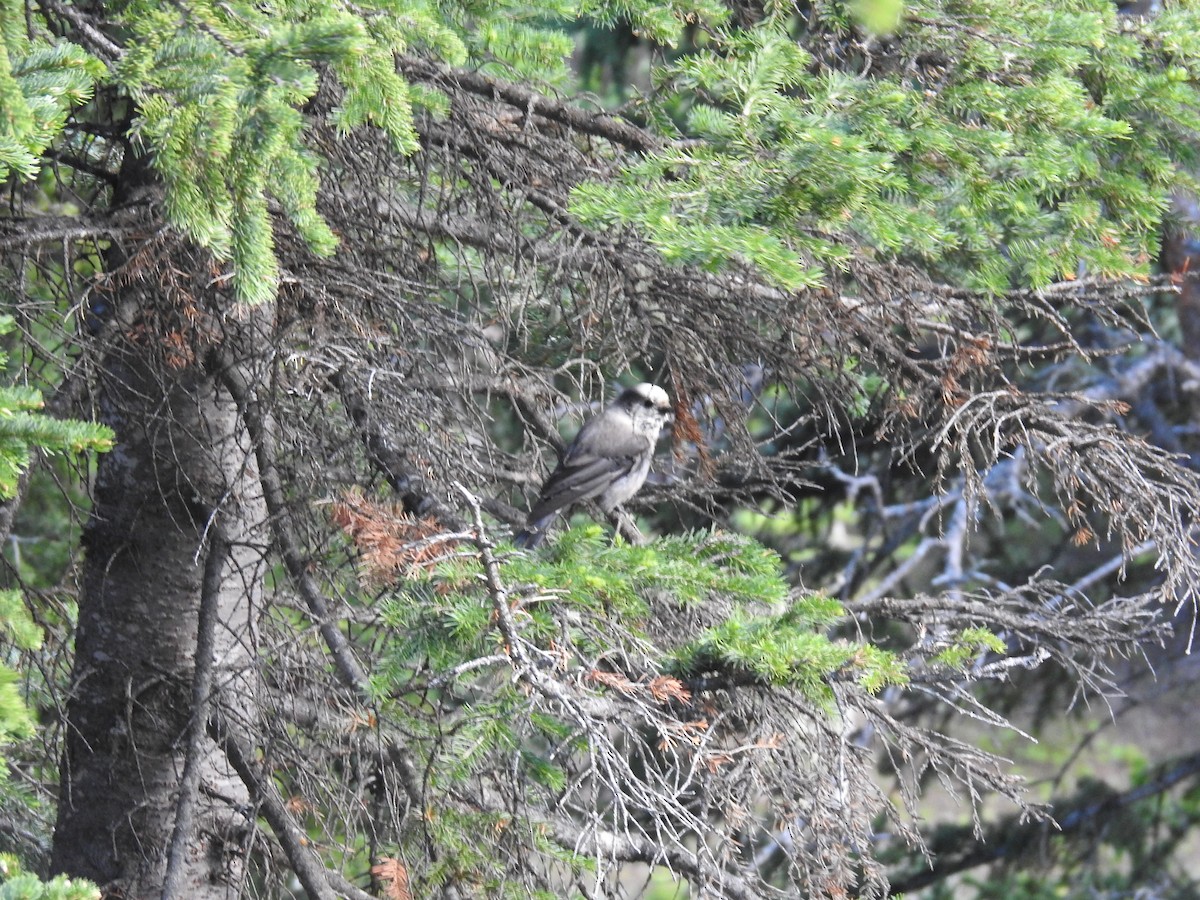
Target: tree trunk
column 182, row 462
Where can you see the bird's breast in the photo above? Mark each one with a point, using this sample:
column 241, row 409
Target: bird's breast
column 625, row 486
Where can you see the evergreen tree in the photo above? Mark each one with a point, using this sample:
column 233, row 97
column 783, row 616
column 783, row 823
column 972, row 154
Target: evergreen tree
column 333, row 275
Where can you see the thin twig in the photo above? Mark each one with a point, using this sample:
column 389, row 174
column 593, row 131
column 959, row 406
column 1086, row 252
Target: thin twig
column 291, row 837
column 189, row 783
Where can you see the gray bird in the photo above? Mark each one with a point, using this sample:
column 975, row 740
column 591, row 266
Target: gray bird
column 608, row 460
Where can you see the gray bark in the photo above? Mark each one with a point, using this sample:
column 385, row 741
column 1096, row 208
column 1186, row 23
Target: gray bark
column 181, row 458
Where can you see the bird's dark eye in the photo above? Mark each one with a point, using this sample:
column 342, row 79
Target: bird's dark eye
column 647, row 403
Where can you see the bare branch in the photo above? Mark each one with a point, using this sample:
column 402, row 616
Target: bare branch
column 202, row 681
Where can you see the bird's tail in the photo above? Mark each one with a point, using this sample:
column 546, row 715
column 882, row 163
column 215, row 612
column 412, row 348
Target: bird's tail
column 534, row 532
column 527, row 540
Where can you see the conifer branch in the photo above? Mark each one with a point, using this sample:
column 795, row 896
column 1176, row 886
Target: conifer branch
column 20, row 232
column 83, row 165
column 100, row 43
column 260, row 426
column 202, row 683
column 962, row 849
column 845, row 216
column 532, row 103
column 380, row 450
column 291, row 837
column 597, row 842
column 262, row 432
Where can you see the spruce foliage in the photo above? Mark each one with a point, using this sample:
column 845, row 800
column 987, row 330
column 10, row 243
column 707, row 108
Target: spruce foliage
column 458, row 248
column 1004, row 144
column 40, row 81
column 23, row 430
column 1001, row 145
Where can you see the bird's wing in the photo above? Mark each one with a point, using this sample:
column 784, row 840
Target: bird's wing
column 579, row 478
column 606, row 448
column 609, row 435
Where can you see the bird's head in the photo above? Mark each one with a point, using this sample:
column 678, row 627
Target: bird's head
column 647, row 401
